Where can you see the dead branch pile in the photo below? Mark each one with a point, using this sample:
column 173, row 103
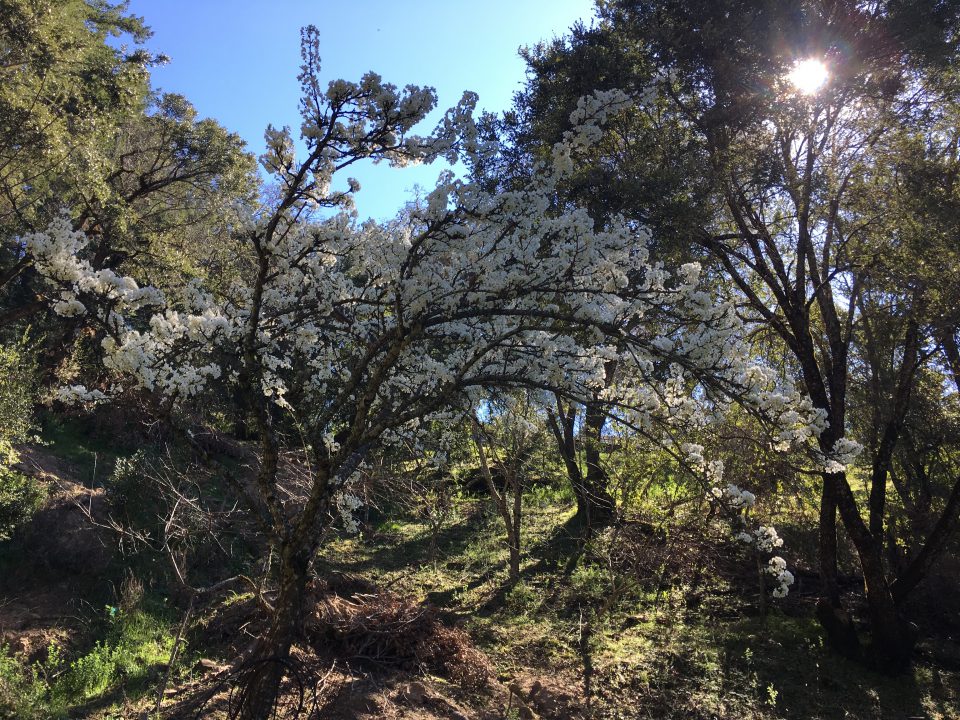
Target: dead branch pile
column 386, row 630
column 684, row 555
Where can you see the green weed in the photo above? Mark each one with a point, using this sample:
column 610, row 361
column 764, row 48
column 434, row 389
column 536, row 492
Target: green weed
column 135, row 646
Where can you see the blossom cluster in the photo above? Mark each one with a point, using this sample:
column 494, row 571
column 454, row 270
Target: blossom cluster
column 763, row 539
column 347, row 504
column 783, row 578
column 843, row 454
column 79, row 395
column 57, row 251
column 734, row 497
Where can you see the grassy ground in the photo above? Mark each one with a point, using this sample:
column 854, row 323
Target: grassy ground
column 646, row 655
column 600, row 642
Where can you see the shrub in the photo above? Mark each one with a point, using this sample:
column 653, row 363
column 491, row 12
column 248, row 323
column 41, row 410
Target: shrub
column 134, row 650
column 18, row 392
column 20, row 498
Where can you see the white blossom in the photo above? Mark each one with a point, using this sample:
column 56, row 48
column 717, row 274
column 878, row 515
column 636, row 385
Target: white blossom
column 783, row 578
column 347, row 503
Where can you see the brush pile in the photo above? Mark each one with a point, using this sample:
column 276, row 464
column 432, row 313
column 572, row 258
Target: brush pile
column 388, row 631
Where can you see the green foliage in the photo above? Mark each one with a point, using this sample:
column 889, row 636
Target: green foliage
column 62, row 89
column 155, row 188
column 25, row 691
column 20, row 498
column 164, row 193
column 590, row 582
column 550, row 494
column 135, row 646
column 17, row 396
column 522, row 598
column 125, row 484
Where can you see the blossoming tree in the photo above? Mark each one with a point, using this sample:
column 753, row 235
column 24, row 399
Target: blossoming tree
column 359, row 334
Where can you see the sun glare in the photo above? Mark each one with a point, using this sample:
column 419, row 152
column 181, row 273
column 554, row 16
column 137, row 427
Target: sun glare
column 808, row 76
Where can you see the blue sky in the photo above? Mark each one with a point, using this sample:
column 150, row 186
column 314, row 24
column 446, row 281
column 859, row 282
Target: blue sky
column 237, row 61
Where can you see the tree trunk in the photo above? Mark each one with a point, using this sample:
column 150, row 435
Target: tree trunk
column 935, row 544
column 514, row 571
column 885, row 441
column 563, row 426
column 827, row 556
column 892, row 636
column 517, row 487
column 834, row 619
column 511, row 520
column 267, row 666
column 596, row 499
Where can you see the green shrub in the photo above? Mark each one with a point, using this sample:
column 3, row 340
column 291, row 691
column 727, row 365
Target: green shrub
column 25, row 691
column 126, row 485
column 136, row 645
column 523, row 598
column 20, row 498
column 18, row 393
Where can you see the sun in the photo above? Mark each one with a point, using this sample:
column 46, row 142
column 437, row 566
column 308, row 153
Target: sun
column 808, row 76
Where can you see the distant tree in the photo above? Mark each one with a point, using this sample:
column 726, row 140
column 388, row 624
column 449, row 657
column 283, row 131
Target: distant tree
column 149, row 184
column 508, row 441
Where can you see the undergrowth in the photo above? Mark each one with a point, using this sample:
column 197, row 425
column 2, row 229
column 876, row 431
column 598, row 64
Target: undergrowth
column 668, row 636
column 133, row 648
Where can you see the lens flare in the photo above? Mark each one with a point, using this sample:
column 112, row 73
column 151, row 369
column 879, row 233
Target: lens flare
column 808, row 76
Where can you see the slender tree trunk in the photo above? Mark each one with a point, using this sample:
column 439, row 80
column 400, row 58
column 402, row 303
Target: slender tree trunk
column 562, row 425
column 886, row 441
column 834, row 619
column 517, row 488
column 828, row 542
column 511, row 521
column 935, row 544
column 514, row 569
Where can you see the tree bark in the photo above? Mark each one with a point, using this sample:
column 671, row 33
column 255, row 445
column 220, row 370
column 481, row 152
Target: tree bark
column 892, row 636
column 563, row 426
column 834, row 619
column 888, row 439
column 597, row 501
column 268, row 664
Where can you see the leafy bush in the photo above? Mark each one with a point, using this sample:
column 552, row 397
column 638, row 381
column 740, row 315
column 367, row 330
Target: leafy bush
column 20, row 498
column 136, row 645
column 125, row 486
column 17, row 396
column 25, row 692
